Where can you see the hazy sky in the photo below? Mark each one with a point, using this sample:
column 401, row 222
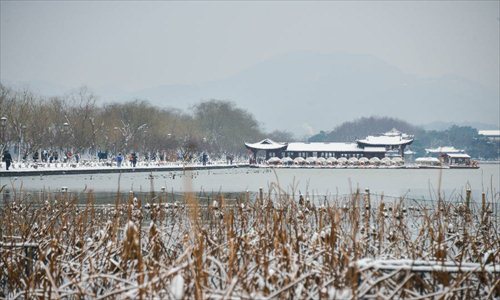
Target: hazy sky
column 135, row 45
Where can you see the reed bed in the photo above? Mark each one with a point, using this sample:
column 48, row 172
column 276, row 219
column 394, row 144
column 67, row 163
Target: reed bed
column 271, row 246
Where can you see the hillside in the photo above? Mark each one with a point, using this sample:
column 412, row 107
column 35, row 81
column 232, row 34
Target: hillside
column 461, row 137
column 305, row 92
column 360, row 128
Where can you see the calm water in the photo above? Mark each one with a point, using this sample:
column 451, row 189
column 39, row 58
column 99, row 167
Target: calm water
column 414, row 183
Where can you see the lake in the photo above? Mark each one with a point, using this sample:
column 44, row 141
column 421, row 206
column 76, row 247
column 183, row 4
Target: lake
column 415, row 183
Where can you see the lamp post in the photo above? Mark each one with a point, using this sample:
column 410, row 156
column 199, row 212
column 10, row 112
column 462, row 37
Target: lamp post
column 115, row 138
column 23, row 127
column 169, row 145
column 66, row 135
column 146, row 149
column 204, row 155
column 3, row 121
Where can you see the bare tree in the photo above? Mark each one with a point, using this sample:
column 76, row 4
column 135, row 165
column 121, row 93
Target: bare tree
column 74, row 121
column 226, row 126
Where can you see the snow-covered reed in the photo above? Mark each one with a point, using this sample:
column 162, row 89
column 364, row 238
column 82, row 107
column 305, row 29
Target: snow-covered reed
column 274, row 246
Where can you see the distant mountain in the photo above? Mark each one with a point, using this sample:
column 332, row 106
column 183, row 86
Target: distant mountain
column 362, row 127
column 308, row 92
column 445, row 125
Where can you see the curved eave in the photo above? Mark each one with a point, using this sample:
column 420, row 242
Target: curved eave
column 364, row 143
column 265, row 147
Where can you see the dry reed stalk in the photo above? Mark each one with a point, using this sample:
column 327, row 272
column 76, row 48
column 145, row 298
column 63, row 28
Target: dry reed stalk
column 227, row 252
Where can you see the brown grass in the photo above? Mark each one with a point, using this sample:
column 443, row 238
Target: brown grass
column 269, row 247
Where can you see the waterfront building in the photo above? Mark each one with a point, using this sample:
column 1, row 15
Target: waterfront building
column 409, row 155
column 387, row 144
column 450, row 156
column 270, row 147
column 391, row 141
column 441, row 151
column 454, row 159
column 492, row 135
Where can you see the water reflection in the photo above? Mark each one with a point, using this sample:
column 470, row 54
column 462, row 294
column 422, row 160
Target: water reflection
column 318, row 182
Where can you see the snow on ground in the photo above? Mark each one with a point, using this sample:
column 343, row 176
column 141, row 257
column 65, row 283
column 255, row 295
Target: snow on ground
column 96, row 166
column 273, row 247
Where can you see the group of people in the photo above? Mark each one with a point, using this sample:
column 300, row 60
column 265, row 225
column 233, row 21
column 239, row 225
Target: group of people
column 132, row 158
column 68, row 156
column 46, row 156
column 53, row 156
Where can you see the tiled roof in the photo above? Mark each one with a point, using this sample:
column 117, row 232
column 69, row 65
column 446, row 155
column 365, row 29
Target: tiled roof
column 266, row 144
column 324, row 147
column 386, row 140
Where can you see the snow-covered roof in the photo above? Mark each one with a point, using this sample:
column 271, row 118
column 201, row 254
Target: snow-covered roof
column 266, row 144
column 299, row 159
column 274, row 160
column 385, row 140
column 393, row 132
column 447, row 149
column 427, row 159
column 490, row 133
column 458, row 155
column 331, row 147
column 323, row 147
column 390, row 138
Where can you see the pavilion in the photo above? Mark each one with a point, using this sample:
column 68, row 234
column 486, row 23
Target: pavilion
column 369, row 147
column 271, row 148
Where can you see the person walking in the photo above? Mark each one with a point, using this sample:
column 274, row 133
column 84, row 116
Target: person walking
column 204, row 158
column 35, row 156
column 119, row 160
column 134, row 159
column 7, row 158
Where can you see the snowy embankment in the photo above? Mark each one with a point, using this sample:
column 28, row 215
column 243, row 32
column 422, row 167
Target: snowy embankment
column 265, row 248
column 29, row 169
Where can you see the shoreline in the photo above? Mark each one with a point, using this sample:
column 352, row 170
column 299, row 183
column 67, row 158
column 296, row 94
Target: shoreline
column 76, row 170
column 112, row 169
column 403, row 167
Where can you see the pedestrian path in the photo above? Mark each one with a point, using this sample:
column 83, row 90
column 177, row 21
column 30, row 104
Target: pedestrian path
column 34, row 169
